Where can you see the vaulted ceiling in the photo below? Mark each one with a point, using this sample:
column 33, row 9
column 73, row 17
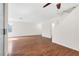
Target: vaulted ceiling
column 34, row 12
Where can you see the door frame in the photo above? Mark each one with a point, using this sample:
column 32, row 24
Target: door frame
column 5, row 26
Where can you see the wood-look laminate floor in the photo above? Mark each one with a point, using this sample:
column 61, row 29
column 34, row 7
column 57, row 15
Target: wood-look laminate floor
column 37, row 46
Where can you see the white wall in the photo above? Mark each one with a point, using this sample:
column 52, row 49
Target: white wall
column 25, row 29
column 67, row 32
column 46, row 29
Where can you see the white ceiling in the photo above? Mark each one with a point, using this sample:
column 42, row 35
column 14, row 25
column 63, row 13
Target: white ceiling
column 33, row 12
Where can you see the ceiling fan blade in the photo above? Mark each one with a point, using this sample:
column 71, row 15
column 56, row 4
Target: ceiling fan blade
column 46, row 5
column 58, row 5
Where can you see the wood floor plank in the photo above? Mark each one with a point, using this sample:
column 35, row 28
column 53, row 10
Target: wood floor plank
column 37, row 46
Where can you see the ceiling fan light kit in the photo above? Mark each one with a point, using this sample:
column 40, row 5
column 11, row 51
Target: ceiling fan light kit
column 58, row 5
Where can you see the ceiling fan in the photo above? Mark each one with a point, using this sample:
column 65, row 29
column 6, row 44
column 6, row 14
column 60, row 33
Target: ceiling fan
column 58, row 5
